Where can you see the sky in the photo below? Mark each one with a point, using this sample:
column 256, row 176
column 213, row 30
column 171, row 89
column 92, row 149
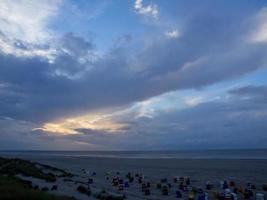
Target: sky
column 133, row 74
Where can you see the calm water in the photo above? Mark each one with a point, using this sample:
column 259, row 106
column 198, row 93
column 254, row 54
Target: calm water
column 192, row 154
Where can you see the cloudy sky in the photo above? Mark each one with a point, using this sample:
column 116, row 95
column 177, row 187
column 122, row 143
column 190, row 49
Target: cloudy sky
column 133, row 74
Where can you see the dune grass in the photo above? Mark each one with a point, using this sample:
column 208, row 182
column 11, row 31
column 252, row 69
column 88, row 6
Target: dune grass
column 17, row 166
column 27, row 168
column 12, row 188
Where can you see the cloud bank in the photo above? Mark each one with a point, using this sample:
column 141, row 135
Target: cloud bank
column 47, row 77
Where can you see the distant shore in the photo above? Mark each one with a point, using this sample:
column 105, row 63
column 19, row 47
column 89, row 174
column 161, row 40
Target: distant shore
column 179, row 154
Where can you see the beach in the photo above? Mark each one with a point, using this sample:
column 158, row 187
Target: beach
column 241, row 171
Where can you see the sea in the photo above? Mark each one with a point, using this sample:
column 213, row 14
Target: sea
column 181, row 154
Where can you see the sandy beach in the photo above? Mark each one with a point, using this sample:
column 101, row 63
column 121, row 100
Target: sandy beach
column 241, row 171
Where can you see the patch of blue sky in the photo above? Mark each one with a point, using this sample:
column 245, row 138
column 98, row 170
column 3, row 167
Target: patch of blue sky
column 181, row 99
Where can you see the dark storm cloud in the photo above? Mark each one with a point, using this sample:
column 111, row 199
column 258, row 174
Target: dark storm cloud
column 39, row 90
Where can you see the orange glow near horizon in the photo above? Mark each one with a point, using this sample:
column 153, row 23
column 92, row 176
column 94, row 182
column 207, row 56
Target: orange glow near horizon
column 92, row 121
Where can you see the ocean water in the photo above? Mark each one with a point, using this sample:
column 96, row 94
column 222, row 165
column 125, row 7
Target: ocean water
column 185, row 154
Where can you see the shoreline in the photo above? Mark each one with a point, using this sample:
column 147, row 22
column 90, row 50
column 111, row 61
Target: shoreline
column 237, row 154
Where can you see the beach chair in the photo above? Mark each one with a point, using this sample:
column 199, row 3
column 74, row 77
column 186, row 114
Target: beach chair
column 143, row 187
column 209, row 186
column 191, row 196
column 175, row 180
column 200, row 191
column 233, row 196
column 185, row 188
column 232, row 184
column 126, row 184
column 163, row 180
column 165, row 190
column 115, row 182
column 259, row 196
column 227, row 194
column 120, row 188
column 225, row 185
column 235, row 190
column 178, row 194
column 221, row 196
column 140, row 180
column 147, row 192
column 90, row 181
column 187, row 181
column 201, row 196
column 93, row 173
column 128, row 175
column 246, row 194
column 253, row 187
column 131, row 179
column 159, row 185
